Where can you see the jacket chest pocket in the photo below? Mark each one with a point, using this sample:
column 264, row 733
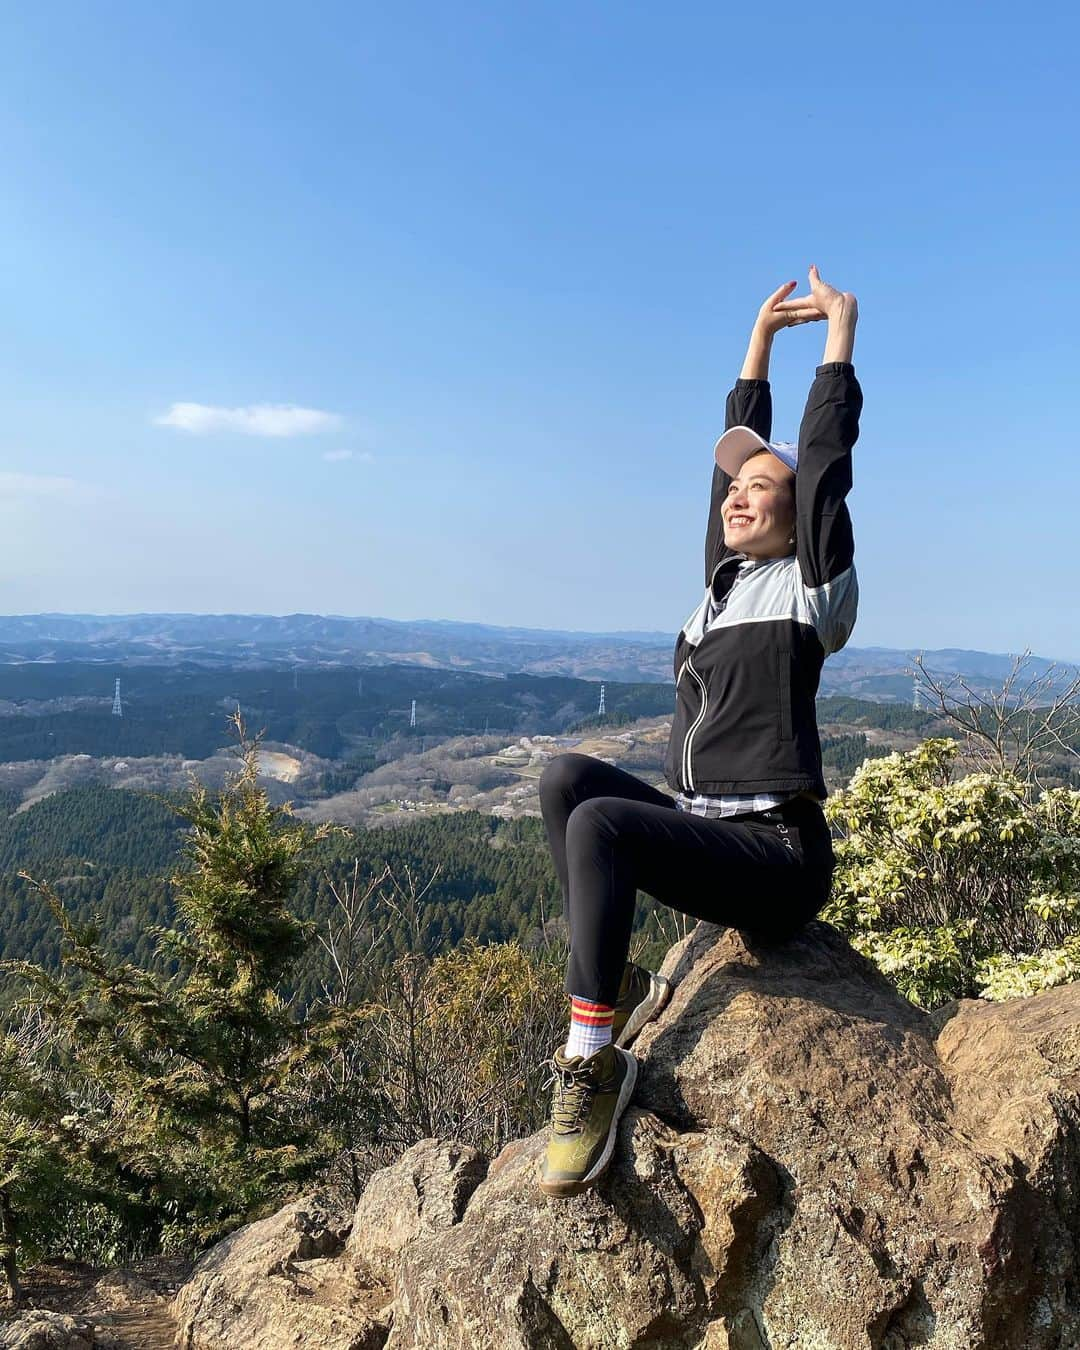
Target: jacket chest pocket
column 783, row 692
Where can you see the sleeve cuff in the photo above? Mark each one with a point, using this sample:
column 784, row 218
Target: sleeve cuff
column 740, row 383
column 836, row 368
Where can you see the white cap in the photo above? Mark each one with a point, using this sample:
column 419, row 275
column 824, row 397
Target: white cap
column 738, row 444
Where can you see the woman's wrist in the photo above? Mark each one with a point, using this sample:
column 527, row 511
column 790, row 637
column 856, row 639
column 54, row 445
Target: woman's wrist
column 756, row 364
column 840, row 343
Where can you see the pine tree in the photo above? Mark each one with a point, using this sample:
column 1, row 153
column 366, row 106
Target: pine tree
column 32, row 1155
column 209, row 1059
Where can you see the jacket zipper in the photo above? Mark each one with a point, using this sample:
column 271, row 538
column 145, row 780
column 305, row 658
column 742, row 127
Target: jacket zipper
column 688, row 776
column 688, row 773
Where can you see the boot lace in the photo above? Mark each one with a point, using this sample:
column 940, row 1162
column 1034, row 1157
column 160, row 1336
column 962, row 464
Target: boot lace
column 574, row 1091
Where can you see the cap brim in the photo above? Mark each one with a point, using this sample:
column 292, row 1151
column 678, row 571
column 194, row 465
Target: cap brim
column 734, row 446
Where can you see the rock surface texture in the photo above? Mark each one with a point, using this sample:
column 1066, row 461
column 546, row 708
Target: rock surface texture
column 810, row 1162
column 279, row 1282
column 41, row 1329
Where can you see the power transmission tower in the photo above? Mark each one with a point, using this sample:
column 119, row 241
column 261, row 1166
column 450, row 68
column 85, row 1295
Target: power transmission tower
column 600, row 710
column 412, row 714
column 117, row 706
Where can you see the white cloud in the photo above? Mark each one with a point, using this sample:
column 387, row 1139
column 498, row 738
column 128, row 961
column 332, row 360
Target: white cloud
column 23, row 487
column 257, row 419
column 336, row 456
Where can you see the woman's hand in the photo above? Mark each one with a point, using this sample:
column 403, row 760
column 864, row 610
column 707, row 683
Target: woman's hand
column 779, row 312
column 825, row 299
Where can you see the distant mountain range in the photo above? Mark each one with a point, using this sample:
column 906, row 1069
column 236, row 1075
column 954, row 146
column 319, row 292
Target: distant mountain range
column 316, row 640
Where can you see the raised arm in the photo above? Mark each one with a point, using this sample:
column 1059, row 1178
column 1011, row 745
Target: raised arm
column 830, row 427
column 750, row 402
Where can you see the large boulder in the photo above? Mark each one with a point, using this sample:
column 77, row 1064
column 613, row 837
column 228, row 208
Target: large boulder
column 314, row 1274
column 809, row 1162
column 41, row 1329
column 278, row 1283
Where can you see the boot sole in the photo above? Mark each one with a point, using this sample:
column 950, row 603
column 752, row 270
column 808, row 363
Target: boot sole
column 564, row 1188
column 649, row 1007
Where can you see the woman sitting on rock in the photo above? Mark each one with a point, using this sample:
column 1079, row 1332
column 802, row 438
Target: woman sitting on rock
column 744, row 841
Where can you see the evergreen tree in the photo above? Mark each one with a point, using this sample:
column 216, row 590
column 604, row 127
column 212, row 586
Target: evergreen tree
column 210, row 1057
column 31, row 1144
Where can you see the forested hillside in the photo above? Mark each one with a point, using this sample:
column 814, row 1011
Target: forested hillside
column 109, row 853
column 64, row 709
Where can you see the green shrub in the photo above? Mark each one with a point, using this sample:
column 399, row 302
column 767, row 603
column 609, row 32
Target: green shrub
column 957, row 887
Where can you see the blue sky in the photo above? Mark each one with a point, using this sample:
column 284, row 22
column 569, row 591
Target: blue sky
column 506, row 257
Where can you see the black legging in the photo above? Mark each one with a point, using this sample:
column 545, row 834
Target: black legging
column 612, row 835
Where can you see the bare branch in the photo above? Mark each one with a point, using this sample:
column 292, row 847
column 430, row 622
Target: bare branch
column 1012, row 729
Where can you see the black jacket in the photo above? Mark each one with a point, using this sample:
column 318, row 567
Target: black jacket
column 745, row 716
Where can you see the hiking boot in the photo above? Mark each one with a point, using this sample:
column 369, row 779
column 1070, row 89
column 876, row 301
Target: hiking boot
column 590, row 1095
column 642, row 995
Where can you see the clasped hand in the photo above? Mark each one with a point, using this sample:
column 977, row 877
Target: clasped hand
column 823, row 302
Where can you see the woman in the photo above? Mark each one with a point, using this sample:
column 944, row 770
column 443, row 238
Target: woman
column 743, row 841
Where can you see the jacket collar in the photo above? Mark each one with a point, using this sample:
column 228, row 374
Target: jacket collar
column 730, row 568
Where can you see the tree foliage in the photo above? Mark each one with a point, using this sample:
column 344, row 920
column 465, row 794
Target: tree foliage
column 196, row 1091
column 32, row 1158
column 957, row 887
column 200, row 1063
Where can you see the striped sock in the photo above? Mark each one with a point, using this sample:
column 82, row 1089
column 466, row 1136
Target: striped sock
column 590, row 1027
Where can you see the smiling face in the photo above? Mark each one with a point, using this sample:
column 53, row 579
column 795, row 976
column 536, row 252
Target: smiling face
column 759, row 514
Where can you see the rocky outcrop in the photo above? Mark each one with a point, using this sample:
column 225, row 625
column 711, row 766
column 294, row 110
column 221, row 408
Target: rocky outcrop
column 41, row 1329
column 810, row 1162
column 423, row 1194
column 293, row 1279
column 280, row 1282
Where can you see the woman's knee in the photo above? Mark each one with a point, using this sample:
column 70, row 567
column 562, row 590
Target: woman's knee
column 598, row 818
column 564, row 775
